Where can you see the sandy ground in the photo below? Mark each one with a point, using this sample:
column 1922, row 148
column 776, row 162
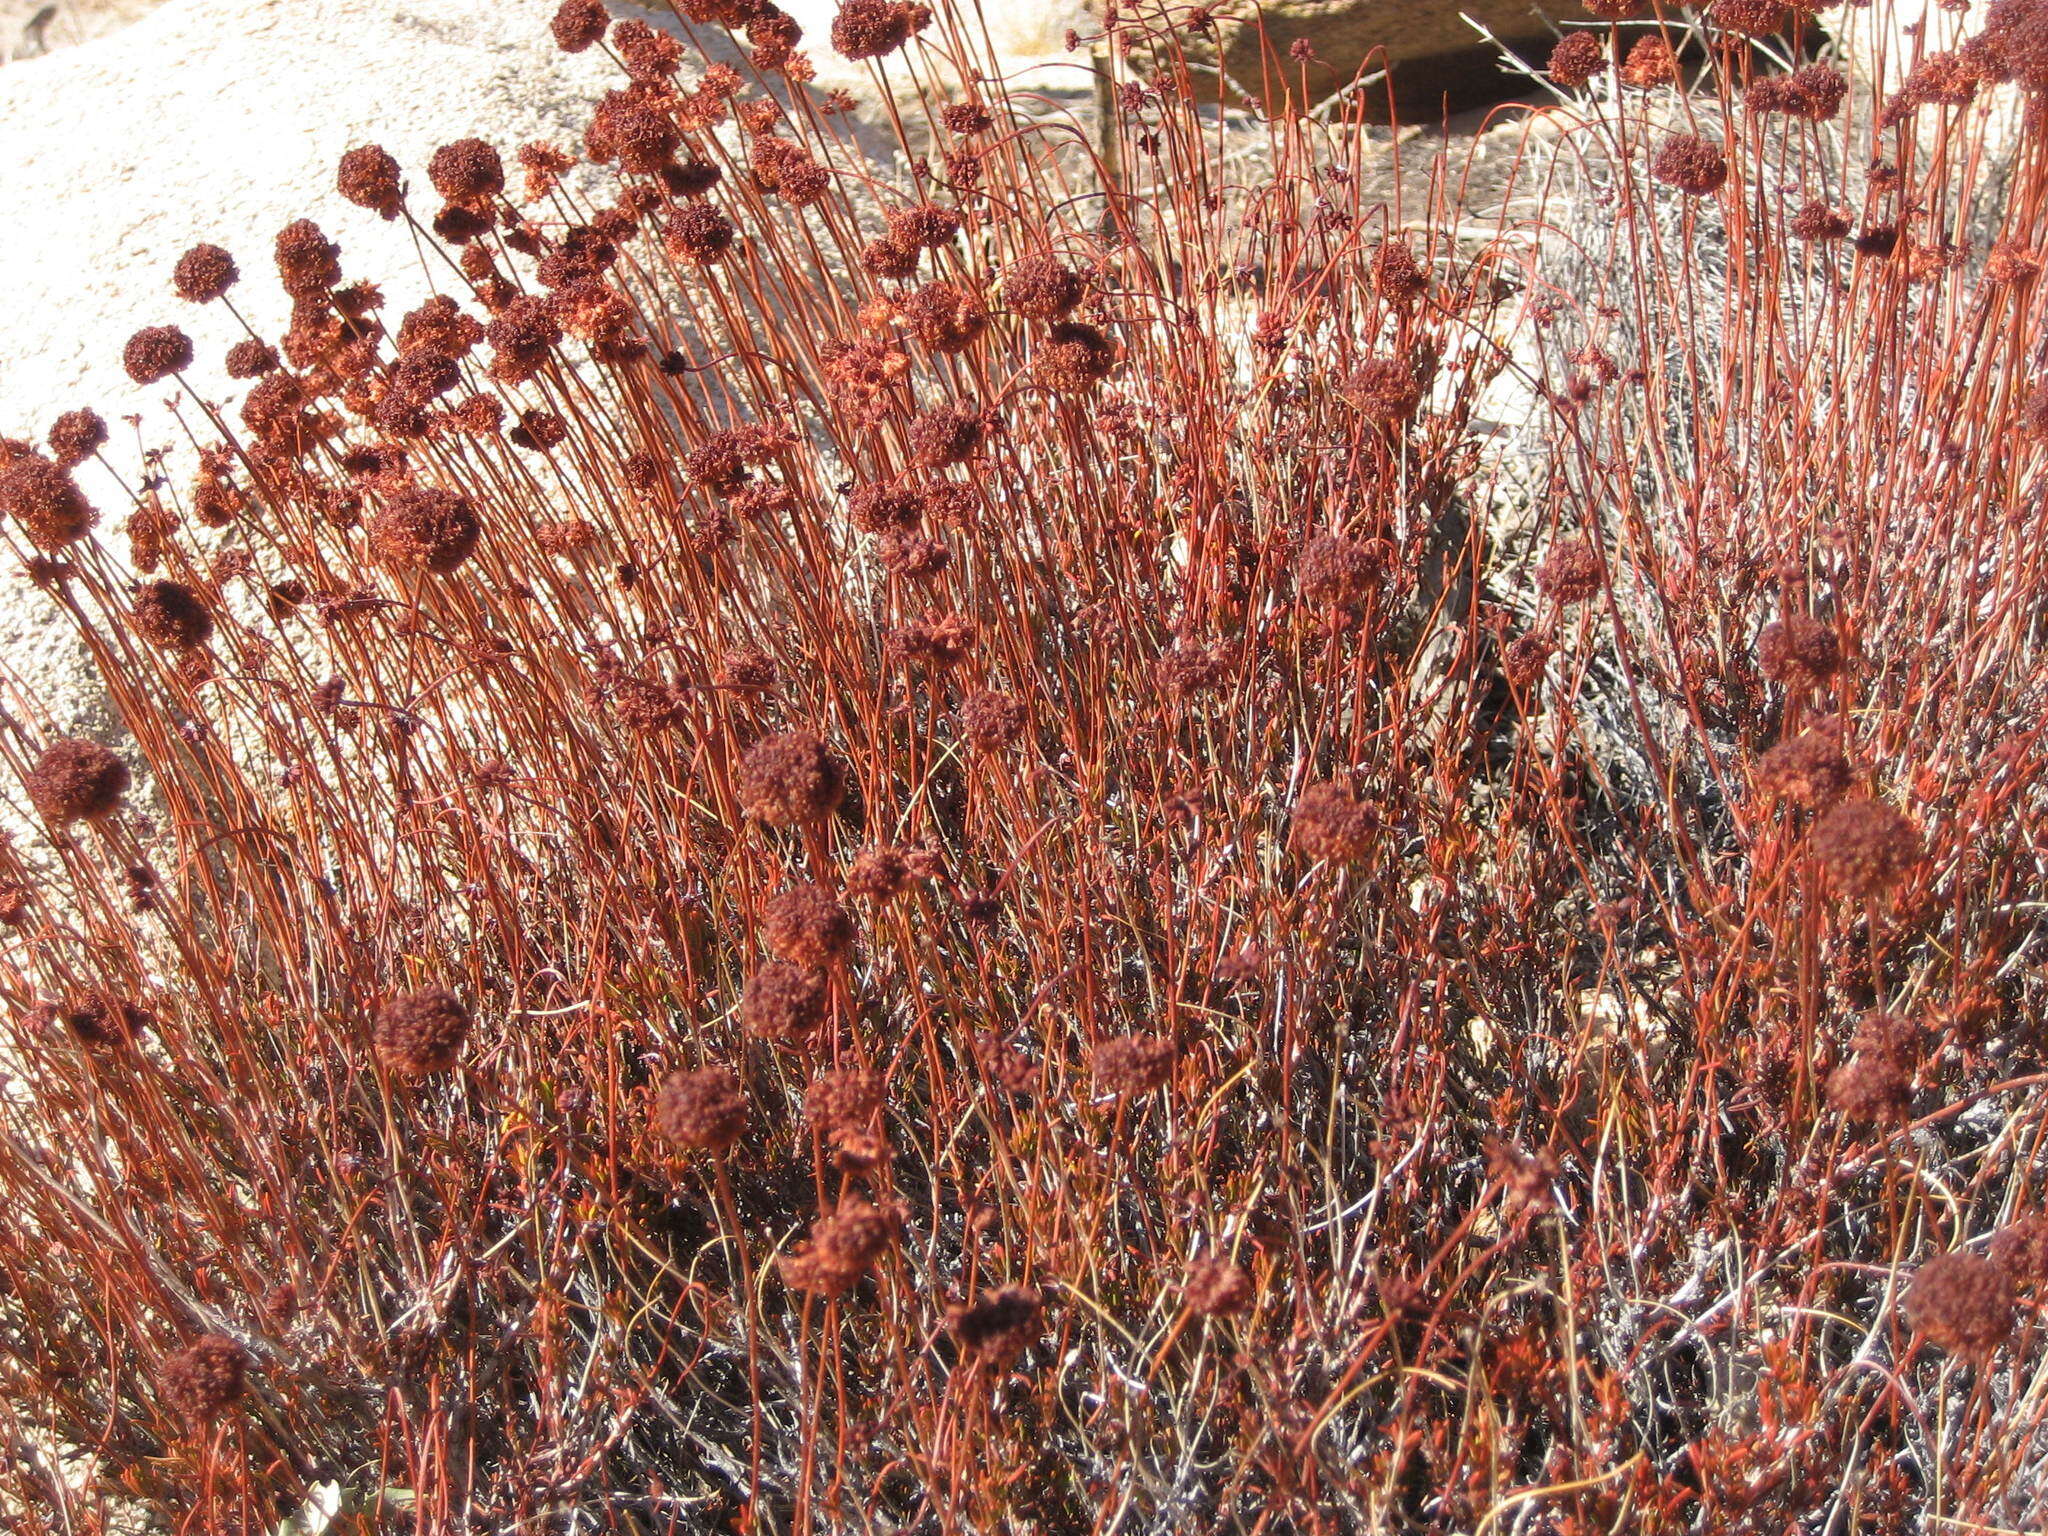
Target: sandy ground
column 29, row 28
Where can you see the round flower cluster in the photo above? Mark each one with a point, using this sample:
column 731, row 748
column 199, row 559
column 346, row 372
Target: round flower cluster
column 76, row 780
column 701, row 1111
column 420, row 1033
column 204, row 1379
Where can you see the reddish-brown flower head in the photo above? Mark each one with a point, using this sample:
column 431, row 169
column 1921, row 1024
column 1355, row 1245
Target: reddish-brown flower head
column 784, row 1003
column 701, row 1111
column 76, row 436
column 46, row 501
column 204, row 1379
column 172, row 615
column 807, row 926
column 1799, row 651
column 1330, row 826
column 698, row 232
column 578, row 24
column 1816, row 220
column 1809, row 769
column 76, row 780
column 308, row 263
column 1650, row 62
column 203, row 274
column 791, row 779
column 1042, row 287
column 998, row 1328
column 1695, row 166
column 1577, row 58
column 992, row 721
column 1134, row 1064
column 1871, row 1086
column 868, row 29
column 422, row 1032
column 944, row 317
column 1570, row 573
column 156, row 352
column 1336, row 572
column 1866, row 847
column 844, row 1248
column 425, row 528
column 467, row 172
column 370, row 178
column 1215, row 1287
column 1073, row 358
column 2021, row 1249
column 1961, row 1301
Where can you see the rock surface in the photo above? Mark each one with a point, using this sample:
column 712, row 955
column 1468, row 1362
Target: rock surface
column 1435, row 58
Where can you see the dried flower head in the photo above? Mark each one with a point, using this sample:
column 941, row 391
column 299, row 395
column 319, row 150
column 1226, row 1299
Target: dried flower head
column 1073, row 358
column 807, row 926
column 992, row 721
column 76, row 780
column 1813, row 94
column 1386, row 389
column 156, row 352
column 1191, row 669
column 845, row 1108
column 998, row 1328
column 1751, row 18
column 698, row 232
column 881, row 873
column 425, row 528
column 1134, row 1064
column 204, row 1379
column 701, row 1111
column 1808, row 769
column 1570, row 573
column 868, row 29
column 944, row 317
column 1866, row 847
column 1695, row 166
column 578, row 24
column 1215, row 1287
column 103, row 1019
column 1962, row 1302
column 370, row 178
column 203, row 274
column 76, row 436
column 966, row 118
column 308, row 263
column 923, row 226
column 784, row 1003
column 1330, row 826
column 947, row 435
column 791, row 779
column 172, row 615
column 1799, row 651
column 1871, row 1086
column 1817, row 221
column 439, row 326
column 1333, row 571
column 844, row 1248
column 1042, row 287
column 1524, row 658
column 46, row 501
column 2021, row 1249
column 419, row 1033
column 1397, row 276
column 1577, row 58
column 1650, row 62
